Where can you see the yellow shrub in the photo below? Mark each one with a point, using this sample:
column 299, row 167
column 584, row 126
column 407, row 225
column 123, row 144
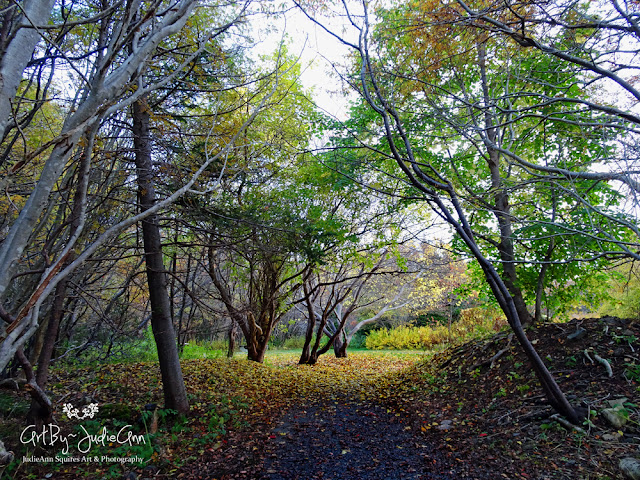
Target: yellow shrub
column 473, row 322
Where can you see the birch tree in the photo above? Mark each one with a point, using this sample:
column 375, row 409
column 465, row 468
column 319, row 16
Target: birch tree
column 19, row 34
column 108, row 79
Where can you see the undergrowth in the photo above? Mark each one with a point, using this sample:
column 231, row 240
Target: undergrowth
column 473, row 323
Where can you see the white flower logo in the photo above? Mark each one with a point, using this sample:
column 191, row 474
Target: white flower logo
column 87, row 412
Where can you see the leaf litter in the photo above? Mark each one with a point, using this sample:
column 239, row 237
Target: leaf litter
column 464, row 413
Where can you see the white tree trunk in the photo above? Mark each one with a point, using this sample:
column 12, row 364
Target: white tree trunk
column 18, row 53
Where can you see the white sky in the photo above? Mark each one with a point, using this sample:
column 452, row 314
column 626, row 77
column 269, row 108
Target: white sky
column 317, row 51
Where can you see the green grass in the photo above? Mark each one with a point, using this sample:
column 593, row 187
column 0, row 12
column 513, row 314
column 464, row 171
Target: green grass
column 145, row 350
column 194, row 351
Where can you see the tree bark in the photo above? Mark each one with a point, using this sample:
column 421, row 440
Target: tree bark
column 233, row 333
column 175, row 394
column 18, row 52
column 38, row 341
column 39, row 412
column 340, row 346
column 311, row 322
column 501, row 198
column 105, row 96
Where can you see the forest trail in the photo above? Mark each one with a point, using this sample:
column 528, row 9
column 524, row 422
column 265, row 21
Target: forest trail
column 333, row 422
column 375, row 415
column 339, row 438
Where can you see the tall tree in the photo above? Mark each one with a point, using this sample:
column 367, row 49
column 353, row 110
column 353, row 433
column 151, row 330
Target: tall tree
column 436, row 185
column 488, row 104
column 175, row 393
column 107, row 83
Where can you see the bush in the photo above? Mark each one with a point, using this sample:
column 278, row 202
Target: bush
column 435, row 317
column 406, row 338
column 473, row 322
column 294, row 343
column 359, row 340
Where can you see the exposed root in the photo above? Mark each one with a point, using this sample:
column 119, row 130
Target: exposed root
column 599, row 359
column 5, row 456
column 567, row 424
column 495, row 358
column 604, row 362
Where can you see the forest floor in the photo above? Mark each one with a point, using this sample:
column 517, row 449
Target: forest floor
column 474, row 411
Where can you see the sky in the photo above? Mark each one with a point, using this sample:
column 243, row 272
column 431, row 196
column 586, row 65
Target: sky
column 318, row 52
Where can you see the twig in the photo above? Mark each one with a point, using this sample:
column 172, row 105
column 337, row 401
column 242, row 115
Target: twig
column 493, row 359
column 586, row 354
column 567, row 424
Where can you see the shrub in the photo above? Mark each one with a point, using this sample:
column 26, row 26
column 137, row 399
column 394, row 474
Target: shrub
column 293, row 343
column 437, row 317
column 473, row 322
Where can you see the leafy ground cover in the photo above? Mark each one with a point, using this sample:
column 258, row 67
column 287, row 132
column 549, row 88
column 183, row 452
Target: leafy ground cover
column 470, row 412
column 234, row 402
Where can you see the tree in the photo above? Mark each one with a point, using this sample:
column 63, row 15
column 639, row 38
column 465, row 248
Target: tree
column 175, row 393
column 104, row 94
column 439, row 189
column 257, row 233
column 113, row 83
column 491, row 101
column 336, row 293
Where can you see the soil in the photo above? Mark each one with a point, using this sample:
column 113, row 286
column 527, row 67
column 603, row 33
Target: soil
column 332, row 439
column 500, row 419
column 346, row 439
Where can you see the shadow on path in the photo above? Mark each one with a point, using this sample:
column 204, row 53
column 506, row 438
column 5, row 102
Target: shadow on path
column 347, row 440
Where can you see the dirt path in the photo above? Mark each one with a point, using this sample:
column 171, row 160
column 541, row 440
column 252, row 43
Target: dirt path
column 347, row 440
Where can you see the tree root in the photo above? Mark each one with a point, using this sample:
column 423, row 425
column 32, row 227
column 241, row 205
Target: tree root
column 495, row 358
column 5, row 457
column 601, row 360
column 604, row 362
column 566, row 423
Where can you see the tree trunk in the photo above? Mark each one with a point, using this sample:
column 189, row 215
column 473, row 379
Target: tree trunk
column 306, row 348
column 340, row 345
column 259, row 334
column 38, row 342
column 256, row 351
column 233, row 333
column 40, row 412
column 540, row 284
column 175, row 394
column 501, row 197
column 14, row 59
column 554, row 394
column 311, row 322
